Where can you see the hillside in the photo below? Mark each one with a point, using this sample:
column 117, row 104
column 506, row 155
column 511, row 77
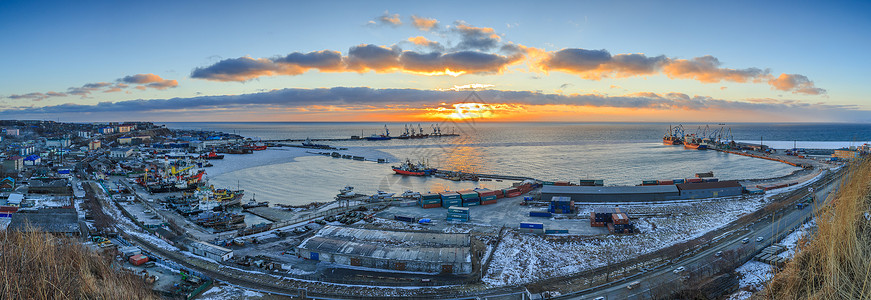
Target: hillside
column 40, row 266
column 836, row 264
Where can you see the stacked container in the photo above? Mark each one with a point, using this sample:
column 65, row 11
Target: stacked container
column 562, row 205
column 677, row 181
column 664, row 182
column 405, row 219
column 615, row 219
column 511, row 192
column 561, row 183
column 487, row 196
column 649, row 182
column 470, row 198
column 531, row 227
column 694, row 180
column 596, row 221
column 458, row 214
column 451, row 199
column 711, row 180
column 430, row 200
column 499, row 194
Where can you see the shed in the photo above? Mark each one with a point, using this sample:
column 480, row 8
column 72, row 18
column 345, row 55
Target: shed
column 710, row 189
column 612, row 193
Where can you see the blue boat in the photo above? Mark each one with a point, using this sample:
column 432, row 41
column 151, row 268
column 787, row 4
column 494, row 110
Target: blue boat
column 376, row 137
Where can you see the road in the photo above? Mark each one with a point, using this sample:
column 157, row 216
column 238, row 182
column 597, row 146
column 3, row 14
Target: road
column 653, row 282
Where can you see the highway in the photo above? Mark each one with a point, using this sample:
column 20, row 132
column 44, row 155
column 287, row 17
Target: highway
column 663, row 279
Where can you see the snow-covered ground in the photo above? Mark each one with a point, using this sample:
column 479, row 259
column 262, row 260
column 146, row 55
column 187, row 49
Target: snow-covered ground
column 228, row 292
column 523, row 258
column 791, row 240
column 756, row 276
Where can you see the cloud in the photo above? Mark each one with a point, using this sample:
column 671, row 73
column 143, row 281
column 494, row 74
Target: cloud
column 238, row 69
column 147, row 80
column 599, row 64
column 424, row 42
column 142, row 81
column 361, row 98
column 475, row 38
column 388, row 19
column 795, row 83
column 424, row 24
column 367, row 57
column 471, row 86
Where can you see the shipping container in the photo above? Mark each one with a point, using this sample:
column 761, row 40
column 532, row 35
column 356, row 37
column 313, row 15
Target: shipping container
column 457, row 216
column 556, row 231
column 512, row 195
column 405, row 219
column 450, row 195
column 665, row 182
column 531, row 230
column 457, row 220
column 540, row 214
column 430, row 201
column 548, row 183
column 499, row 194
column 458, row 209
column 488, row 198
column 620, row 218
column 449, row 203
column 592, row 182
column 531, row 225
column 476, row 203
column 677, row 181
column 488, row 202
column 649, row 182
column 693, row 180
column 433, row 205
column 476, row 199
column 138, row 259
column 561, row 183
column 429, row 196
column 712, row 180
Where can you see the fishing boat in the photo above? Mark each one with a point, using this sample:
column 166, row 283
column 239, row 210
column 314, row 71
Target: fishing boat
column 347, row 192
column 212, row 155
column 409, row 169
column 253, row 203
column 255, row 147
column 309, row 144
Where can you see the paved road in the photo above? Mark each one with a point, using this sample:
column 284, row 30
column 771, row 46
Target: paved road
column 664, row 278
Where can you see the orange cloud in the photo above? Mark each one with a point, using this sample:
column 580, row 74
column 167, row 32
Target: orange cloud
column 795, row 83
column 424, row 24
column 422, row 41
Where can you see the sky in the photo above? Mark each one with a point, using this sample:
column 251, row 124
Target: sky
column 537, row 61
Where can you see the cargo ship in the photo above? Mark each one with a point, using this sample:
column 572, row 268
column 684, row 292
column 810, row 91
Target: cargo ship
column 385, row 136
column 409, row 169
column 693, row 142
column 673, row 136
column 255, row 147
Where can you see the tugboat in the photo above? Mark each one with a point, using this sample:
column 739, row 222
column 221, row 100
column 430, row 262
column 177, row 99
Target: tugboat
column 309, row 144
column 409, row 169
column 691, row 141
column 253, row 203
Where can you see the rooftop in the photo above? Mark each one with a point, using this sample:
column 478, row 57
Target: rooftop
column 709, row 185
column 648, row 189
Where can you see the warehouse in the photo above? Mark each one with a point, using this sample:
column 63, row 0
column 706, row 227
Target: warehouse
column 448, row 253
column 710, row 189
column 612, row 193
column 214, row 252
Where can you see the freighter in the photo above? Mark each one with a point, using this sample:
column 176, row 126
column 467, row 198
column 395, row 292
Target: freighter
column 693, row 142
column 409, row 169
column 672, row 136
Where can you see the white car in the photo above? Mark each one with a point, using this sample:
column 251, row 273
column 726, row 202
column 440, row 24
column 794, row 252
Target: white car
column 679, row 270
column 759, row 239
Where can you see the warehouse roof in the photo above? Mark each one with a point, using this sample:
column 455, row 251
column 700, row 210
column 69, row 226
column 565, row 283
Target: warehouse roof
column 709, row 185
column 599, row 190
column 396, row 237
column 378, row 250
column 53, row 220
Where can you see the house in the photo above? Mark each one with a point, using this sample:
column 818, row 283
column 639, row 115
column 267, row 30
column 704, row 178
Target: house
column 15, row 199
column 32, row 160
column 106, row 130
column 94, row 145
column 210, row 251
column 120, row 152
column 125, row 128
column 84, row 134
column 135, row 140
column 11, row 131
column 7, row 184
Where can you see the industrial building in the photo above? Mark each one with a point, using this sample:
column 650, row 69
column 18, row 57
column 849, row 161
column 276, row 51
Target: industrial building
column 612, row 193
column 644, row 193
column 210, row 251
column 448, row 253
column 710, row 189
column 61, row 221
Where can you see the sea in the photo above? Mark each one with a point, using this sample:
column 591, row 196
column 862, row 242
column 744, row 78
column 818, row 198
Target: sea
column 618, row 153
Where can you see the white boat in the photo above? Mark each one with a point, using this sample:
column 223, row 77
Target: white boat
column 347, row 192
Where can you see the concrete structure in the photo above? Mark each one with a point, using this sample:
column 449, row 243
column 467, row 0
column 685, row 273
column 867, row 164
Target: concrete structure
column 11, row 131
column 84, row 134
column 448, row 253
column 32, row 160
column 50, row 185
column 710, row 189
column 64, row 221
column 106, row 130
column 94, row 145
column 120, row 152
column 57, row 143
column 612, row 193
column 125, row 128
column 210, row 251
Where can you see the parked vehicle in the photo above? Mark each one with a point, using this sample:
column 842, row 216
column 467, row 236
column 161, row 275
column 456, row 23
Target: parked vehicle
column 679, row 270
column 745, row 240
column 759, row 239
column 718, row 254
column 633, row 285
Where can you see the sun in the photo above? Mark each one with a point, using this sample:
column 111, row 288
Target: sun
column 471, row 111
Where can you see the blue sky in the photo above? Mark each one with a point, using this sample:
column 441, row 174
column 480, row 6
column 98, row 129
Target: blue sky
column 54, row 46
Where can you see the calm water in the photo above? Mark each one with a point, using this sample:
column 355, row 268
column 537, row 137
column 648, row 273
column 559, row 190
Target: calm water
column 621, row 154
